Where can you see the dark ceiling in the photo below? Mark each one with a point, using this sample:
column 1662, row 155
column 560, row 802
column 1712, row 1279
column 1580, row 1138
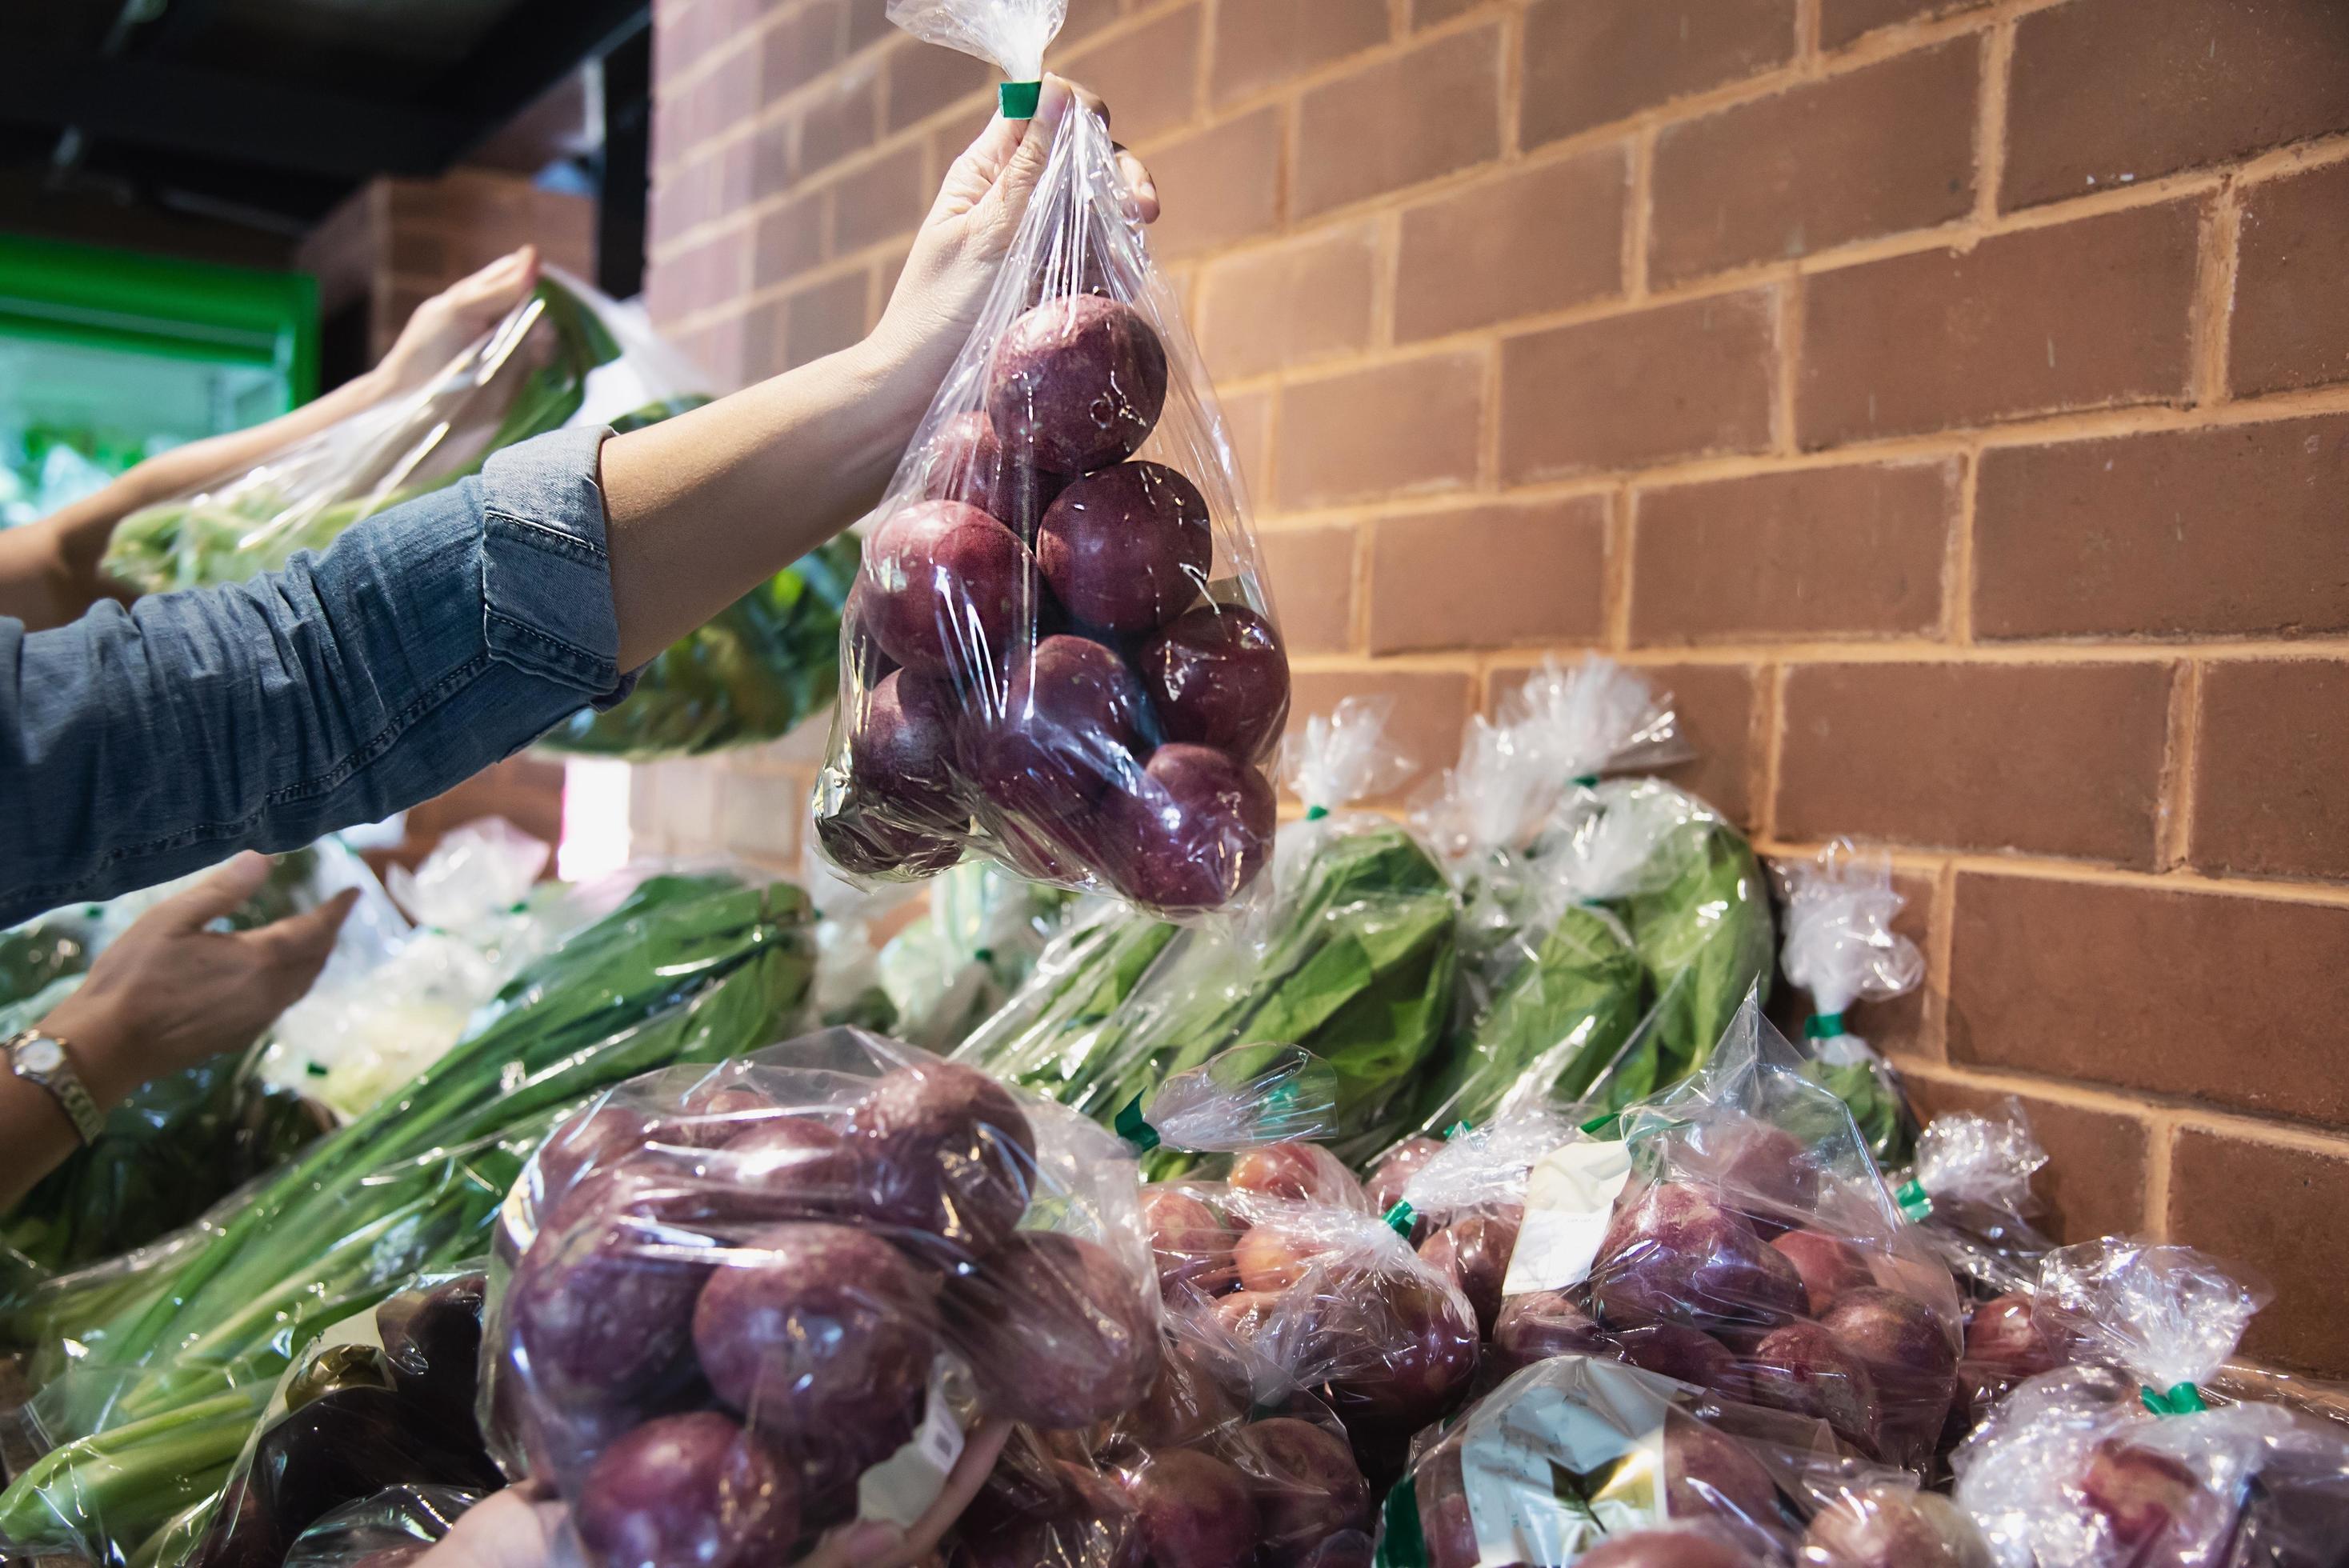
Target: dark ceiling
column 265, row 113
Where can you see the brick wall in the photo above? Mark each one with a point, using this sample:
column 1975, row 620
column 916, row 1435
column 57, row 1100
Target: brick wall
column 1948, row 402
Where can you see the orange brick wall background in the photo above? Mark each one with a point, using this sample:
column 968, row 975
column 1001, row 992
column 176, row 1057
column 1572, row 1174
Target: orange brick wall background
column 1949, row 403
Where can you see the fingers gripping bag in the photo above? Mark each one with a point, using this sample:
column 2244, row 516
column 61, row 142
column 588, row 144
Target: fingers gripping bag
column 1061, row 650
column 2122, row 1459
column 1840, row 947
column 1740, row 1237
column 744, row 1305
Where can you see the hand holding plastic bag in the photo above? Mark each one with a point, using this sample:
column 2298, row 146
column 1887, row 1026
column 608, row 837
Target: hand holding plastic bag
column 1060, row 651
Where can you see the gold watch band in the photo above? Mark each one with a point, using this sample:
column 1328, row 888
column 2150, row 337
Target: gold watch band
column 46, row 1059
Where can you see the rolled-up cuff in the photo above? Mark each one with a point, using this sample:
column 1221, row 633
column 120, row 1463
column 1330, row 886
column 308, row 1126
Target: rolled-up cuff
column 546, row 578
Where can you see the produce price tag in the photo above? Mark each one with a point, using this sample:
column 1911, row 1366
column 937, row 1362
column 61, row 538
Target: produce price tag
column 900, row 1489
column 1554, row 1477
column 1570, row 1197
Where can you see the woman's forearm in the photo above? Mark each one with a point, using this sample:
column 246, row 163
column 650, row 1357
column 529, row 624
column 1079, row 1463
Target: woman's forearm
column 703, row 507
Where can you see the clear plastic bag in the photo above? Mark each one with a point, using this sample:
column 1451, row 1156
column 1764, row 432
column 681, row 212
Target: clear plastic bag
column 1969, row 1190
column 383, row 1399
column 567, row 357
column 2120, row 1460
column 1840, row 947
column 815, row 1266
column 1353, row 962
column 173, row 1362
column 1061, row 651
column 970, row 950
column 394, row 1527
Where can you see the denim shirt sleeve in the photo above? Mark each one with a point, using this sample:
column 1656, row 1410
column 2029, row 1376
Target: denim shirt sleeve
column 430, row 641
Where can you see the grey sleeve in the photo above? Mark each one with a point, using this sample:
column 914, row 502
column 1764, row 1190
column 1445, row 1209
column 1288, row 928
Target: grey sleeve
column 430, row 641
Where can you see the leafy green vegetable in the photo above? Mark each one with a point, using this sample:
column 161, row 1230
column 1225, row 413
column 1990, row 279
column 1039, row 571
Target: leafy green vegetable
column 690, row 968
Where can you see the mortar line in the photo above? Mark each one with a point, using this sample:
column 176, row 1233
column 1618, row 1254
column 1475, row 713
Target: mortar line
column 2214, row 296
column 1989, row 126
column 1958, row 581
column 2049, row 868
column 1763, row 773
column 1941, row 938
column 2160, row 1141
column 1617, row 586
column 2181, row 762
column 1639, row 215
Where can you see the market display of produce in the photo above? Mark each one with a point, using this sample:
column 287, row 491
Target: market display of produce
column 566, row 358
column 1062, row 652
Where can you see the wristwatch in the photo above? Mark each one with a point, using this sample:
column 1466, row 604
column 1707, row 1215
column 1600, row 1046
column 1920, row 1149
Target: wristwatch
column 44, row 1059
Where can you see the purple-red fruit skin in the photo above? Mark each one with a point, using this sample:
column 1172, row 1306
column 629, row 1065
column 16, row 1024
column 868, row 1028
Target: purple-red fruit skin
column 1690, row 1355
column 1893, row 1526
column 1474, row 1253
column 1805, row 1370
column 1127, row 549
column 1664, row 1549
column 945, row 1150
column 598, row 1313
column 818, row 1330
column 1909, row 1358
column 1056, row 1333
column 1218, row 675
column 1070, row 725
column 1708, row 1471
column 687, row 1491
column 1192, row 1247
column 902, row 752
column 1542, row 1323
column 1393, row 1173
column 1192, row 832
column 1829, row 1267
column 865, row 844
column 947, row 589
column 968, row 463
column 1675, row 1255
column 1195, row 1510
column 1076, row 384
column 1307, row 1486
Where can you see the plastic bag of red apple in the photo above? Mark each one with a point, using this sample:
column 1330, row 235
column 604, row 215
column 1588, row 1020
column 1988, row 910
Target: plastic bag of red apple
column 1586, row 1460
column 1969, row 1191
column 1194, row 1476
column 738, row 1306
column 1733, row 1233
column 1060, row 651
column 2121, row 1459
column 1288, row 1268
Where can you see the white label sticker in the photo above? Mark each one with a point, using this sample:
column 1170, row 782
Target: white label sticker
column 1570, row 1197
column 900, row 1489
column 1554, row 1477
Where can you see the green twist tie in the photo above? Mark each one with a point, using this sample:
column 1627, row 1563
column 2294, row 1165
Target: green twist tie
column 1586, row 781
column 1915, row 1203
column 1133, row 1130
column 1019, row 99
column 1600, row 1126
column 1401, row 1219
column 1281, row 1096
column 1824, row 1026
column 983, row 954
column 1315, row 813
column 1402, row 1544
column 1454, row 1130
column 2183, row 1400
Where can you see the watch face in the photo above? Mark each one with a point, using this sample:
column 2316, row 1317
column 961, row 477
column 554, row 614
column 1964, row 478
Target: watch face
column 41, row 1056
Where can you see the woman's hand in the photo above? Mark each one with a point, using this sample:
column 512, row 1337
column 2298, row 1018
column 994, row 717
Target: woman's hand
column 521, row 1528
column 170, row 993
column 968, row 232
column 451, row 321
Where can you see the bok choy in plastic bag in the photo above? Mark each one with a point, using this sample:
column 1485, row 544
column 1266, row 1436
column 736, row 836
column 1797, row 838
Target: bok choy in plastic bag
column 1061, row 650
column 1840, row 947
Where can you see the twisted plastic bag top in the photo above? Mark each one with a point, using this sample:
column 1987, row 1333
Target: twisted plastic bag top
column 1241, row 1098
column 1979, row 1159
column 1594, row 717
column 2167, row 1315
column 1344, row 756
column 477, row 872
column 1485, row 1167
column 1014, row 34
column 1609, row 836
column 1840, row 945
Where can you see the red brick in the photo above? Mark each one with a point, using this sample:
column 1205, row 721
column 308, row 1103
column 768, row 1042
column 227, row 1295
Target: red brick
column 2282, row 1210
column 1290, row 305
column 2169, row 534
column 823, row 318
column 787, row 241
column 1148, row 76
column 838, row 121
column 1841, row 21
column 1537, row 241
column 2105, row 92
column 773, row 159
column 1312, row 574
column 925, row 78
column 1672, row 381
column 1247, row 422
column 1819, row 552
column 762, row 342
column 1489, row 577
column 1871, row 152
column 2291, row 322
column 879, row 201
column 868, row 23
column 1393, row 428
column 1428, row 13
column 1430, row 708
column 1401, row 121
column 1218, row 186
column 2052, row 759
column 724, row 98
column 2206, row 995
column 1261, row 43
column 1087, row 17
column 720, row 349
column 2078, row 316
column 803, row 45
column 2093, row 1183
column 2271, row 756
column 1589, row 62
column 711, row 272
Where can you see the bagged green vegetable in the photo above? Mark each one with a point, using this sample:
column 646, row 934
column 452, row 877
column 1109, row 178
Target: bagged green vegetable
column 173, row 1356
column 179, row 1143
column 1354, row 962
column 566, row 357
column 1841, row 948
column 974, row 945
